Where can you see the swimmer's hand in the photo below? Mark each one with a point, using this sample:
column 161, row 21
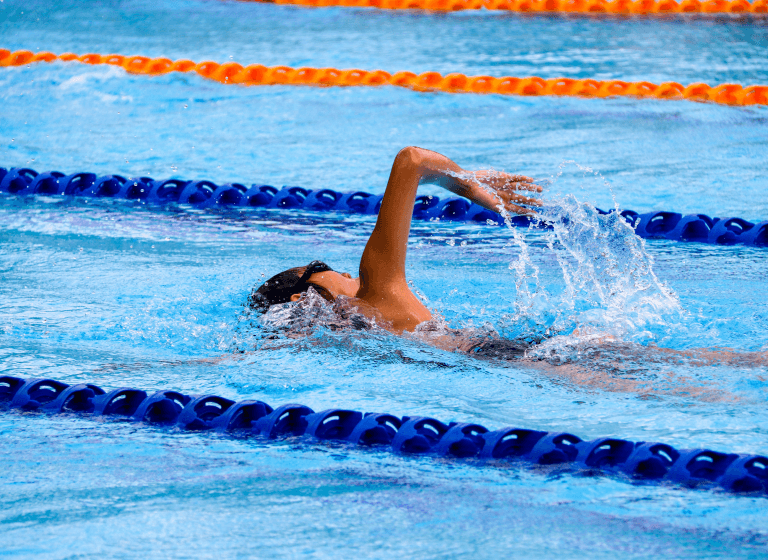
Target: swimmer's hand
column 495, row 190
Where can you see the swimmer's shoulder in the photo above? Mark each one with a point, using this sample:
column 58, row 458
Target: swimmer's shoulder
column 349, row 307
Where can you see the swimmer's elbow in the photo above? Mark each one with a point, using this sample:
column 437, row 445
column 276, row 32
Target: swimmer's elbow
column 410, row 156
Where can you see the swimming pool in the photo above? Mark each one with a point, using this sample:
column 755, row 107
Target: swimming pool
column 115, row 294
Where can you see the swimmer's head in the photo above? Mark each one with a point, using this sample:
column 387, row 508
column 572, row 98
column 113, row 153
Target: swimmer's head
column 290, row 284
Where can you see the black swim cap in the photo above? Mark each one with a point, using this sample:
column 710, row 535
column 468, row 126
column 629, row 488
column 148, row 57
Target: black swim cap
column 282, row 286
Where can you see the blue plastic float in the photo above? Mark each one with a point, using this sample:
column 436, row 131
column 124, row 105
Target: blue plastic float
column 417, row 435
column 205, row 194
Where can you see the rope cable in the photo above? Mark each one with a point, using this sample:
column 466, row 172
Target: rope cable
column 257, row 74
column 671, row 226
column 415, row 435
column 758, row 8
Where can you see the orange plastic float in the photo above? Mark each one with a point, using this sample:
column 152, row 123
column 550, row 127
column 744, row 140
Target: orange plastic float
column 114, row 59
column 758, row 8
column 256, row 74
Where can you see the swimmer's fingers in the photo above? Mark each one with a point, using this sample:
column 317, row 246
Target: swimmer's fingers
column 514, row 198
column 511, row 202
column 522, row 183
column 498, row 180
column 507, row 181
column 521, row 210
column 528, row 186
column 519, row 204
column 493, row 188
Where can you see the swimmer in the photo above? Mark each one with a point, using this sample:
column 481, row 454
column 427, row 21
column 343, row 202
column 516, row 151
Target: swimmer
column 381, row 291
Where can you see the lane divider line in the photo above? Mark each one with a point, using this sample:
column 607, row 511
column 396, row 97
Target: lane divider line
column 658, row 8
column 643, row 462
column 673, row 226
column 257, row 74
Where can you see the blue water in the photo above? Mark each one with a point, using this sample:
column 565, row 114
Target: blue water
column 116, row 294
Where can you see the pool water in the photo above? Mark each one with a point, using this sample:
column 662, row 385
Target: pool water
column 119, row 294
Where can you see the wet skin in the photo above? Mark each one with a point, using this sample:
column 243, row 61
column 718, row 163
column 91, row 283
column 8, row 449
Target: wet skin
column 337, row 283
column 382, row 291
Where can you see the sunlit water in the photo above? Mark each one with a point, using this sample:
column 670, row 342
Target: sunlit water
column 125, row 295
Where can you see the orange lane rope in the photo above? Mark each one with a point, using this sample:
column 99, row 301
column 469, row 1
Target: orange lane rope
column 256, row 74
column 616, row 7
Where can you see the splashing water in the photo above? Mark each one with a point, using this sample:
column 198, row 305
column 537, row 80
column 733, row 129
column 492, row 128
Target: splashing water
column 604, row 286
column 311, row 315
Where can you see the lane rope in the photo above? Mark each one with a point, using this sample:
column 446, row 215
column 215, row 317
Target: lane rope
column 672, row 226
column 257, row 74
column 757, row 8
column 415, row 435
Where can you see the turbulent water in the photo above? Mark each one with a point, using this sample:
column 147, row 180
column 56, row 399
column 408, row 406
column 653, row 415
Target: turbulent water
column 607, row 279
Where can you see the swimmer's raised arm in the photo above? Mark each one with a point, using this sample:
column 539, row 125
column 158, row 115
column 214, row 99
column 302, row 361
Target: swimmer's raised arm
column 413, row 166
column 382, row 267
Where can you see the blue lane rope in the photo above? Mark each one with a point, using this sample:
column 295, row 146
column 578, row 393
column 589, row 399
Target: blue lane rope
column 205, row 194
column 415, row 435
